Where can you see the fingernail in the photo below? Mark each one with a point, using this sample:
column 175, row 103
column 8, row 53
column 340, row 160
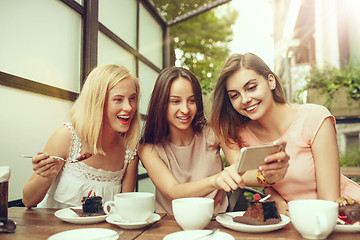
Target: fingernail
column 260, row 168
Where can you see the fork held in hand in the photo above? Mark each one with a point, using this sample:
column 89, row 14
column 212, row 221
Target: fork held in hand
column 55, row 157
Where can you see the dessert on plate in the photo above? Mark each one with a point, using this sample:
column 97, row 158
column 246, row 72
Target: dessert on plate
column 260, row 212
column 349, row 211
column 92, row 206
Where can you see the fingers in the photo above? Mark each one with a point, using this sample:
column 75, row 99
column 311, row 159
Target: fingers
column 281, row 142
column 44, row 166
column 229, row 179
column 276, row 164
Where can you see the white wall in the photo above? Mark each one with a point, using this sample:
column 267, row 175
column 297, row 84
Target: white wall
column 40, row 40
column 27, row 121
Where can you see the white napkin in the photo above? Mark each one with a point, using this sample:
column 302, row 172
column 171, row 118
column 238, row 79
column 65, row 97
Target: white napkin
column 4, row 173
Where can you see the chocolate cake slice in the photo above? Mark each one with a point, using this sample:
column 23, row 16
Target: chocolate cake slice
column 92, row 205
column 260, row 213
column 349, row 211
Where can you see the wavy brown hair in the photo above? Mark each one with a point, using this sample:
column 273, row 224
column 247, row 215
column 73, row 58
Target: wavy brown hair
column 156, row 128
column 224, row 118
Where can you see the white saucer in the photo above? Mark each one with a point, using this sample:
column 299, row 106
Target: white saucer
column 347, row 228
column 227, row 221
column 195, row 234
column 86, row 233
column 68, row 215
column 134, row 225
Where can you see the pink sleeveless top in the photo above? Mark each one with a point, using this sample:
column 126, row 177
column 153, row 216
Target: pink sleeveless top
column 300, row 179
column 189, row 163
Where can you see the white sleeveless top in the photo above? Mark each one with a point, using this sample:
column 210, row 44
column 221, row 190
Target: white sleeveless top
column 76, row 180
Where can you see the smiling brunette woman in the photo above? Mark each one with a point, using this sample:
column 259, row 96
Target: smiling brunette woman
column 250, row 110
column 104, row 123
column 179, row 150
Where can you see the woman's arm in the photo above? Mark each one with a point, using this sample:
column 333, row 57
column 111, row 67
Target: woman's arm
column 166, row 183
column 327, row 165
column 46, row 169
column 129, row 180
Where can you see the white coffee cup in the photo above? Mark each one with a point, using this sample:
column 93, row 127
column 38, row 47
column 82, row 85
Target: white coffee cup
column 131, row 206
column 193, row 213
column 313, row 218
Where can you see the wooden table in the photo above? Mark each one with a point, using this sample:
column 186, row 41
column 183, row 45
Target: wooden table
column 38, row 224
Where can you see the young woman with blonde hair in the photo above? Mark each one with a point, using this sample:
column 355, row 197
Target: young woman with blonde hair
column 105, row 123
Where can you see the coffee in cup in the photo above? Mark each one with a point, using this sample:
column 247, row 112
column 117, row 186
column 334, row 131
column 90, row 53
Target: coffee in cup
column 313, row 218
column 193, row 212
column 131, row 206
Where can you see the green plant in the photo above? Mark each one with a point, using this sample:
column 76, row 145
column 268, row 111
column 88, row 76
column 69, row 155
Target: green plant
column 329, row 79
column 351, row 157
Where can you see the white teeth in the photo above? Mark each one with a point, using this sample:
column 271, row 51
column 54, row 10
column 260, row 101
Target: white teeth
column 126, row 117
column 183, row 118
column 251, row 108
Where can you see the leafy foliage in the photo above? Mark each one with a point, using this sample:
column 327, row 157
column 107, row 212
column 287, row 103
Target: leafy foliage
column 199, row 43
column 329, row 79
column 351, row 157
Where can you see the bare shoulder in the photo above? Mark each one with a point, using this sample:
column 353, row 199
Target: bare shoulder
column 146, row 148
column 59, row 142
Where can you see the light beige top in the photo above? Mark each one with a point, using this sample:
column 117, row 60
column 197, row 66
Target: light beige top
column 189, row 163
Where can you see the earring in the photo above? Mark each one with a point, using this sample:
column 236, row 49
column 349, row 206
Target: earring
column 273, row 87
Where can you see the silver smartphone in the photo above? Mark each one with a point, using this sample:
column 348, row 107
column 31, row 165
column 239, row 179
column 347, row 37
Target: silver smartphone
column 253, row 157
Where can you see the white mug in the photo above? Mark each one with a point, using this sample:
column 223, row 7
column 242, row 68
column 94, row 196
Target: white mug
column 313, row 218
column 193, row 212
column 131, row 206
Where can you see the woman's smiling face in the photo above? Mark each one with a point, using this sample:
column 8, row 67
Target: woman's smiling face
column 182, row 106
column 120, row 105
column 250, row 93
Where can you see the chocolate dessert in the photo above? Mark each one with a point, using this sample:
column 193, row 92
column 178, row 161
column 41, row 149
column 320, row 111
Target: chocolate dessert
column 349, row 211
column 92, row 206
column 84, row 156
column 260, row 212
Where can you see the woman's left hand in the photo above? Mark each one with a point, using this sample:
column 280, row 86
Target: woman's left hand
column 276, row 164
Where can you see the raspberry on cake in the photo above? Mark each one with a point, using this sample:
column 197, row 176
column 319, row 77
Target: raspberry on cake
column 260, row 212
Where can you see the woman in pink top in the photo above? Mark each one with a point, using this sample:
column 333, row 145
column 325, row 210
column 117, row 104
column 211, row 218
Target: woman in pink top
column 179, row 150
column 257, row 114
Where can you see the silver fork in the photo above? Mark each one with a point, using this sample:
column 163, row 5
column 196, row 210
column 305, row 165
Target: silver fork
column 208, row 235
column 55, row 157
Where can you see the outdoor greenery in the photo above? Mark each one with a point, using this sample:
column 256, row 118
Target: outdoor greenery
column 351, row 157
column 199, row 43
column 329, row 79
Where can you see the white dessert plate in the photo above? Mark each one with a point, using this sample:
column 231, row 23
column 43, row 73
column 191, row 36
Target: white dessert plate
column 197, row 234
column 68, row 215
column 134, row 225
column 227, row 221
column 86, row 233
column 347, row 228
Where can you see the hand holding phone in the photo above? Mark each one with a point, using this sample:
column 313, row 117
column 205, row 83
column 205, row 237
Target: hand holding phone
column 253, row 157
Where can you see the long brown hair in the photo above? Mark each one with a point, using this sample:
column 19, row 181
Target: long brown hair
column 224, row 118
column 156, row 127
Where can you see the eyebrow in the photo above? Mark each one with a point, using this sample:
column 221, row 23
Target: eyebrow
column 175, row 96
column 246, row 84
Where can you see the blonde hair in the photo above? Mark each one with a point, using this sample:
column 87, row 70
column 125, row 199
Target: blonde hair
column 88, row 111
